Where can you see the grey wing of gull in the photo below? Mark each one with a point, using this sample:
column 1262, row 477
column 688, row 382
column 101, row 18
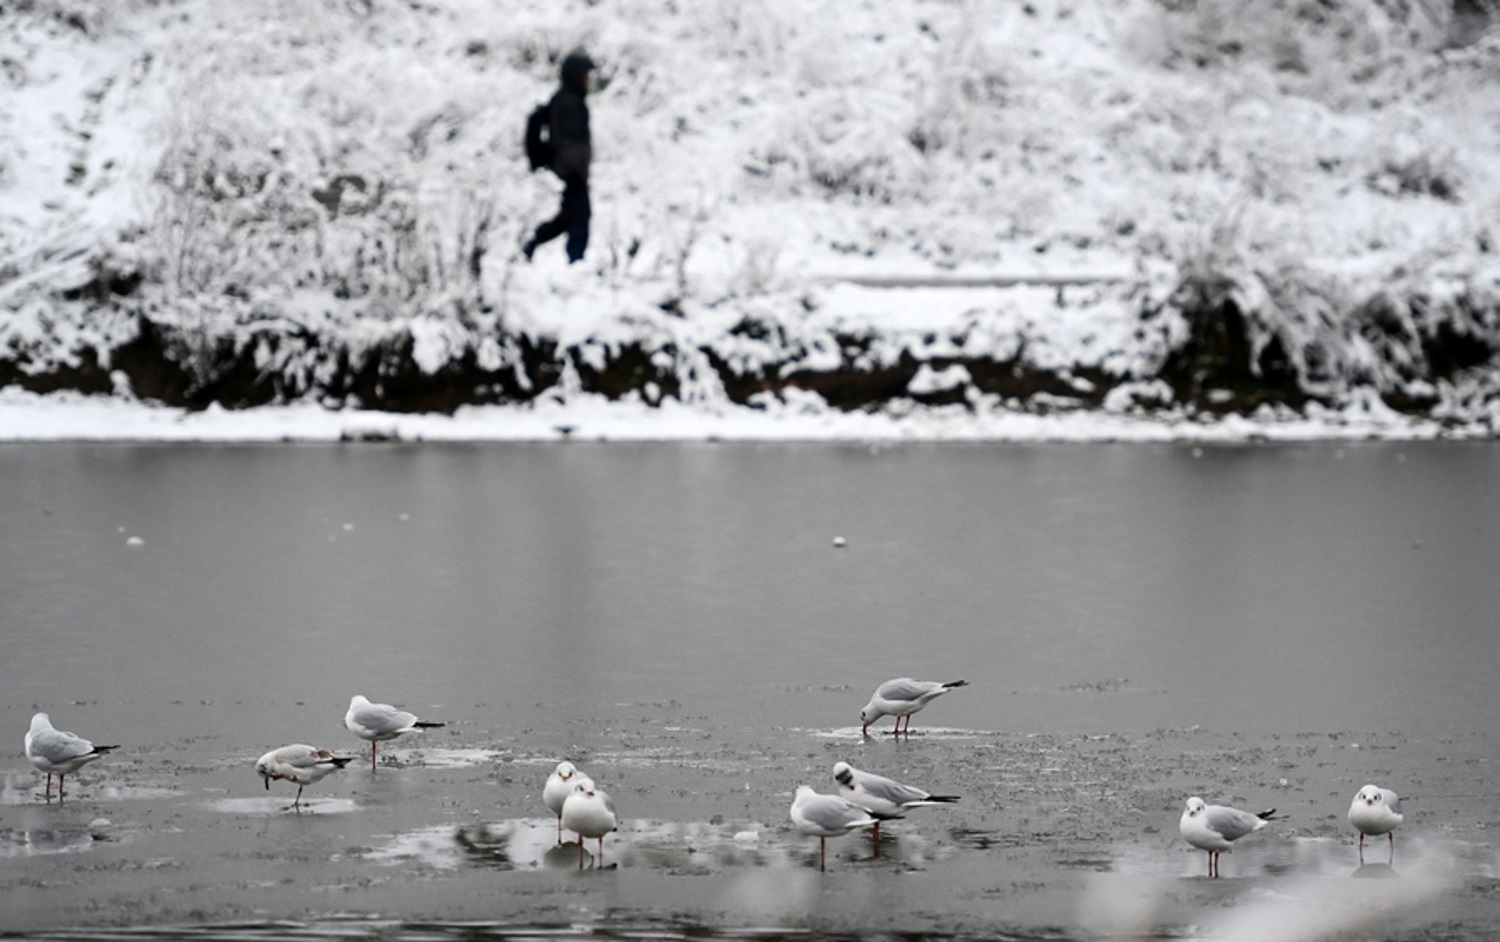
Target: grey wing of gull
column 1392, row 800
column 297, row 756
column 894, row 792
column 906, row 689
column 58, row 746
column 1231, row 823
column 832, row 814
column 384, row 718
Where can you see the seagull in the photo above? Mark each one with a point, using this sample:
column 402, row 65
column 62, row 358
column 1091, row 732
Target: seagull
column 589, row 812
column 1214, row 827
column 903, row 697
column 1375, row 811
column 826, row 816
column 881, row 797
column 559, row 786
column 59, row 753
column 298, row 763
column 377, row 722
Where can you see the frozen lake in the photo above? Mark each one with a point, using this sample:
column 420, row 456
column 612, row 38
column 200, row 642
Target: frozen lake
column 1260, row 625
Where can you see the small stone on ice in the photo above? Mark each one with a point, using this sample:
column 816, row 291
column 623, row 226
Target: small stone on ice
column 135, row 541
column 840, row 542
column 746, row 837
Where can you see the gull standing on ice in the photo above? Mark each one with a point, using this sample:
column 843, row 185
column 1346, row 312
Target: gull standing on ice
column 1375, row 811
column 298, row 763
column 59, row 753
column 903, row 697
column 589, row 812
column 377, row 722
column 1214, row 827
column 883, row 798
column 825, row 816
column 559, row 786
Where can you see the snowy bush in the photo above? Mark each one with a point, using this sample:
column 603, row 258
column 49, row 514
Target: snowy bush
column 1306, row 193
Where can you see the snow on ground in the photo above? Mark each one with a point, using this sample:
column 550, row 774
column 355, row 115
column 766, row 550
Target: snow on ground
column 26, row 417
column 334, row 169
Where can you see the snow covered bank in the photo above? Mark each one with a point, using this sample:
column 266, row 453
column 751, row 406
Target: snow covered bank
column 71, row 417
column 916, row 219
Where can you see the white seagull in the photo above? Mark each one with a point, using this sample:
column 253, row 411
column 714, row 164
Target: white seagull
column 57, row 752
column 377, row 722
column 1375, row 811
column 883, row 798
column 298, row 763
column 825, row 816
column 1214, row 827
column 589, row 812
column 903, row 697
column 559, row 786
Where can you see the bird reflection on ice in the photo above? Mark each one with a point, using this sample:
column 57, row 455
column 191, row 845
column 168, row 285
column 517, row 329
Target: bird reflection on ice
column 673, row 846
column 271, row 806
column 437, row 757
column 63, row 840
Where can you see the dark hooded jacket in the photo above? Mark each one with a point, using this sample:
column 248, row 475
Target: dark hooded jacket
column 573, row 149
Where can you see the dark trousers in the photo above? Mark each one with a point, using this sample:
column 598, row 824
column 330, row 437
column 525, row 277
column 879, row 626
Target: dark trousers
column 572, row 218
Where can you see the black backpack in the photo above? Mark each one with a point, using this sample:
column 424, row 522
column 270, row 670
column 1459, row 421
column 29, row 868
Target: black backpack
column 539, row 149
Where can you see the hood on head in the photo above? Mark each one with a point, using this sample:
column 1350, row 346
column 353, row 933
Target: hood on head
column 575, row 69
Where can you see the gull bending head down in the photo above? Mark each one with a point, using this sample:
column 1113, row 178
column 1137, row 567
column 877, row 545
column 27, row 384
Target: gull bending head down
column 902, row 697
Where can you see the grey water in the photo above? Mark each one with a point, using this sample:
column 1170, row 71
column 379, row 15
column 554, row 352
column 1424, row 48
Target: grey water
column 698, row 625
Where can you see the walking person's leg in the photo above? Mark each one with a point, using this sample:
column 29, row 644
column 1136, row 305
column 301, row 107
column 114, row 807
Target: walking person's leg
column 577, row 211
column 549, row 230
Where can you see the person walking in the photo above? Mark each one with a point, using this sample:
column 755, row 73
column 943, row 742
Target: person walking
column 572, row 152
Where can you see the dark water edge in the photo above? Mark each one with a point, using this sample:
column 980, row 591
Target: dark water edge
column 356, row 929
column 375, row 930
column 1226, row 364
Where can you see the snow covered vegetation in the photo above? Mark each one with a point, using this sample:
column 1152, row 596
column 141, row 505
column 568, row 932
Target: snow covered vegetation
column 1167, row 208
